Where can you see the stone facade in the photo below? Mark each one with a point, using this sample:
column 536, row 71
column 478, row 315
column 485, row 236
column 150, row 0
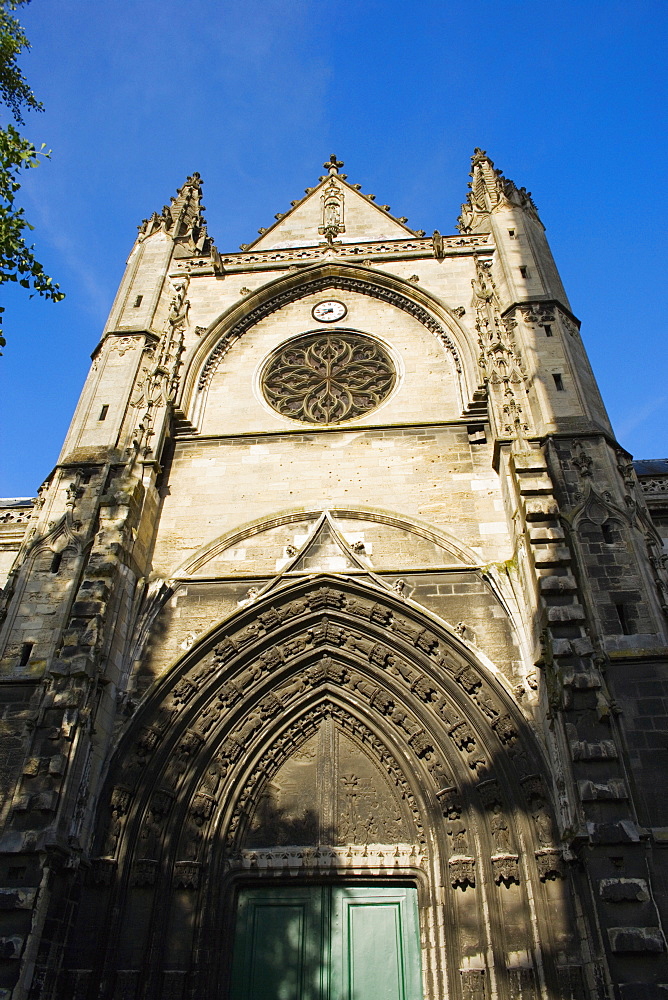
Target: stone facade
column 341, row 576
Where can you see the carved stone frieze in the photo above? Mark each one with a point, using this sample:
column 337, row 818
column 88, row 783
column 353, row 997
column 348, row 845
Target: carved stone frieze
column 102, row 871
column 505, row 729
column 349, row 859
column 489, row 792
column 535, row 314
column 281, row 798
column 462, row 872
column 657, row 486
column 505, row 868
column 473, row 984
column 521, row 983
column 118, row 807
column 550, row 864
column 468, row 679
column 418, row 247
column 186, row 875
column 364, row 809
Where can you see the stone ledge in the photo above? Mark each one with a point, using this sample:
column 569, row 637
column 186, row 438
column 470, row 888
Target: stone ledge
column 624, row 890
column 591, row 791
column 636, row 939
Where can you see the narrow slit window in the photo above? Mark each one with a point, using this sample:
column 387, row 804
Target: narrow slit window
column 624, row 621
column 56, row 561
column 26, row 650
column 103, row 412
column 559, row 382
column 608, row 533
column 524, row 271
column 138, row 301
column 511, row 233
column 548, row 330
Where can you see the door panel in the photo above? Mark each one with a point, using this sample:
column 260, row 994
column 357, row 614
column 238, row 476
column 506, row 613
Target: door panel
column 375, row 944
column 279, row 945
column 327, row 943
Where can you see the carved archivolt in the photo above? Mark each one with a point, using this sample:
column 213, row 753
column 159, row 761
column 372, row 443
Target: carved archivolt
column 318, row 285
column 328, row 730
column 392, row 691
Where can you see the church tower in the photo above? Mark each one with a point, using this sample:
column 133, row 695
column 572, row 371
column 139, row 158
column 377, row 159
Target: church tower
column 333, row 655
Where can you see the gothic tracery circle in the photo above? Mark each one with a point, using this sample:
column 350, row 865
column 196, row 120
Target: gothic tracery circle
column 326, row 378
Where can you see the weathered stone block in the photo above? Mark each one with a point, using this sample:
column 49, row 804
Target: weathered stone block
column 602, row 750
column 551, row 555
column 31, row 767
column 565, row 613
column 538, row 534
column 529, row 461
column 535, row 485
column 636, row 939
column 558, row 584
column 540, row 508
column 10, row 947
column 57, row 764
column 17, row 899
column 624, row 890
column 591, row 791
column 582, row 646
column 622, row 832
column 45, row 801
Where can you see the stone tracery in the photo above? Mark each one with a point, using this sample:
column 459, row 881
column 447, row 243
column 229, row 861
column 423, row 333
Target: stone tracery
column 325, row 378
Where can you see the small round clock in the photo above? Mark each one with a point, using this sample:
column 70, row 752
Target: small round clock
column 329, row 311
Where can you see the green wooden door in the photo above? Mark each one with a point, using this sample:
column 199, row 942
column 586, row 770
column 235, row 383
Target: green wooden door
column 375, row 944
column 327, row 943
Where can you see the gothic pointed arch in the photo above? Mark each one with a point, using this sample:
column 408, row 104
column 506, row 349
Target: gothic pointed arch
column 328, row 729
column 369, row 629
column 423, row 306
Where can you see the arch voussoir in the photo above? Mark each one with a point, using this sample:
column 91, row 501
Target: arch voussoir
column 402, row 673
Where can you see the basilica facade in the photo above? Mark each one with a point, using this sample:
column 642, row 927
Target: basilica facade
column 334, row 648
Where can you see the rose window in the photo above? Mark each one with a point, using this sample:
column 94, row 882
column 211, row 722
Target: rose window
column 324, row 378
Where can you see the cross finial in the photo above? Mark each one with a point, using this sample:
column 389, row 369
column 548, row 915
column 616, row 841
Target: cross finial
column 333, row 165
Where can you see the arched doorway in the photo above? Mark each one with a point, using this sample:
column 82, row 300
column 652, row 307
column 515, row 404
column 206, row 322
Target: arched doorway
column 334, row 739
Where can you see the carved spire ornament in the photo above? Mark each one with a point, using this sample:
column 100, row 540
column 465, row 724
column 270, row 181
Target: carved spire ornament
column 499, row 359
column 332, row 164
column 183, row 220
column 490, row 191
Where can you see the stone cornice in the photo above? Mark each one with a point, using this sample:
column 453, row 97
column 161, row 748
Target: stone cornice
column 452, row 246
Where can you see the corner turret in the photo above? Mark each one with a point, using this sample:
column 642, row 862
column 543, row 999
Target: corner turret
column 494, row 204
column 177, row 233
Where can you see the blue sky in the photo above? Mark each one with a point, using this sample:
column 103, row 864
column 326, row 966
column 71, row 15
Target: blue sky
column 569, row 99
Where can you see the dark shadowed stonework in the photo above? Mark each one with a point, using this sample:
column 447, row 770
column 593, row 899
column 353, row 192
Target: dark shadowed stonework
column 337, row 632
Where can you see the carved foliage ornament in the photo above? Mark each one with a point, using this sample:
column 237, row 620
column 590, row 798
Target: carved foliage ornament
column 325, row 378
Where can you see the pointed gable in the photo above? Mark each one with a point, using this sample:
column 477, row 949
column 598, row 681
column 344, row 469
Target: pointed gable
column 326, row 551
column 333, row 211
